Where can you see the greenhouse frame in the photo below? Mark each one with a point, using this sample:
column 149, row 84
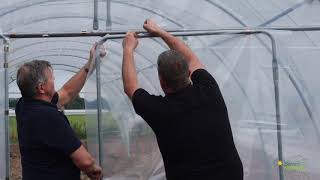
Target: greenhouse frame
column 264, row 55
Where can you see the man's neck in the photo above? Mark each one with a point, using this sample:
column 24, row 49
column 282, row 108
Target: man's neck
column 43, row 98
column 168, row 91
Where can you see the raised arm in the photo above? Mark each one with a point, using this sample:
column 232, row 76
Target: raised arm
column 175, row 44
column 129, row 74
column 76, row 83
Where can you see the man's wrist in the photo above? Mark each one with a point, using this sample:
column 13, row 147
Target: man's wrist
column 161, row 32
column 90, row 169
column 128, row 50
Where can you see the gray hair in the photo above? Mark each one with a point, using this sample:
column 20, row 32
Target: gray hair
column 173, row 69
column 30, row 75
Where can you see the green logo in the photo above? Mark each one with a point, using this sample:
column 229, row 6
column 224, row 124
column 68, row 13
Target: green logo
column 296, row 163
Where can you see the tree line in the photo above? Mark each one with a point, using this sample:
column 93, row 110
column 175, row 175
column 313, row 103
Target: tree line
column 77, row 103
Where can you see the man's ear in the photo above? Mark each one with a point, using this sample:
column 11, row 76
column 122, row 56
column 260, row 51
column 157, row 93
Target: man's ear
column 162, row 82
column 40, row 89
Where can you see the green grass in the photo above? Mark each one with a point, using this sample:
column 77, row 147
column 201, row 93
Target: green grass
column 77, row 122
column 13, row 129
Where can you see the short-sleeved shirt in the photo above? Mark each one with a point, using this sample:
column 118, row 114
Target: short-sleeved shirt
column 193, row 130
column 46, row 141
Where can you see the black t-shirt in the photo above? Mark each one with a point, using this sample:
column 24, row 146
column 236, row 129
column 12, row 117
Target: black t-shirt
column 46, row 141
column 193, row 130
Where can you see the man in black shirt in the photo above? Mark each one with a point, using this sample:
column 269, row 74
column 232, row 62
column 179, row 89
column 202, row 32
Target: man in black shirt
column 191, row 121
column 49, row 147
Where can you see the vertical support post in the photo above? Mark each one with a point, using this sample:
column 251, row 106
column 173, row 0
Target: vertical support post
column 278, row 118
column 275, row 70
column 6, row 90
column 95, row 15
column 99, row 108
column 108, row 22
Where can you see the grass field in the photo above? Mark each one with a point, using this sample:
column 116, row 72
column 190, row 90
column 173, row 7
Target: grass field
column 77, row 122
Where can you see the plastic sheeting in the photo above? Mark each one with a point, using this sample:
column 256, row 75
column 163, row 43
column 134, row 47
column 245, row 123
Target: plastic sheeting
column 29, row 16
column 21, row 16
column 300, row 101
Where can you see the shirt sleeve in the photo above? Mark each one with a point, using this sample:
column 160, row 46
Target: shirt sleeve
column 56, row 133
column 55, row 98
column 148, row 106
column 204, row 78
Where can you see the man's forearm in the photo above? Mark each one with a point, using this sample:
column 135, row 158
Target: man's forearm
column 84, row 161
column 129, row 74
column 76, row 83
column 178, row 45
column 72, row 88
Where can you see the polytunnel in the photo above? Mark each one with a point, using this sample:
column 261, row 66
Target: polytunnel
column 265, row 56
